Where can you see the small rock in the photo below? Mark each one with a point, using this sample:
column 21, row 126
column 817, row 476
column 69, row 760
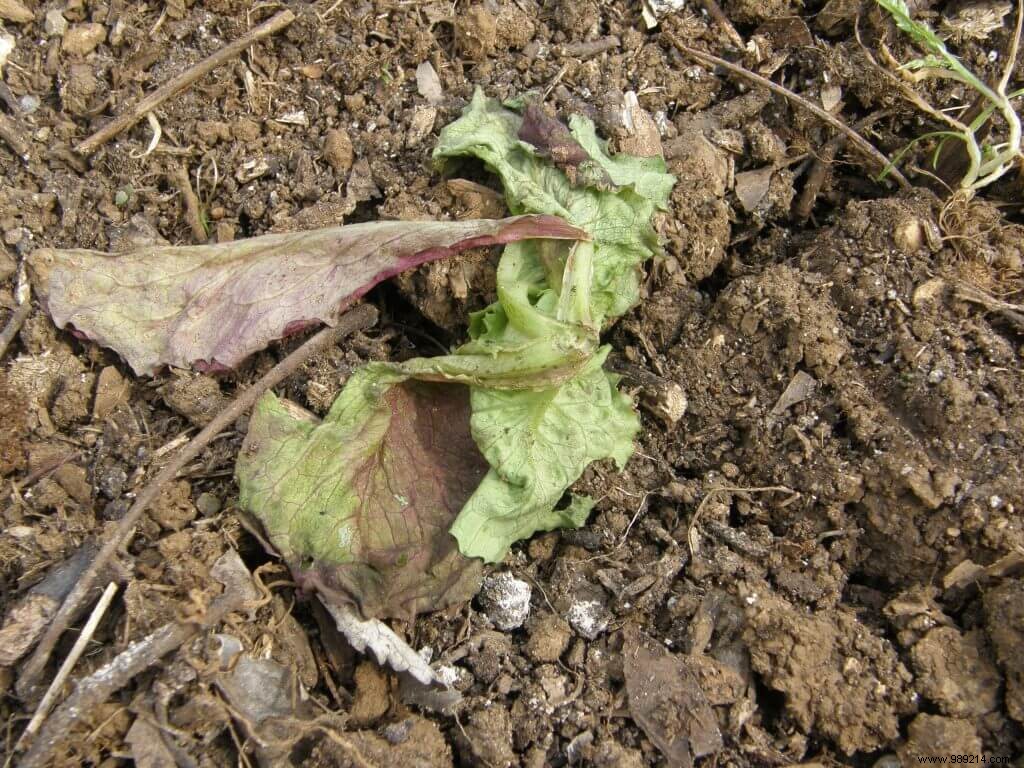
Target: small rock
column 29, row 103
column 196, row 397
column 212, row 131
column 549, row 637
column 428, row 83
column 55, row 25
column 666, row 401
column 111, row 391
column 82, row 39
column 506, row 600
column 589, row 618
column 420, row 126
column 246, row 130
column 489, row 732
column 75, row 482
column 14, row 10
column 208, row 504
column 173, row 508
column 338, row 150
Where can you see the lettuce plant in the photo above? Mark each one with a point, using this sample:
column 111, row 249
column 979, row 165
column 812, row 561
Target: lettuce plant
column 540, row 407
column 421, row 470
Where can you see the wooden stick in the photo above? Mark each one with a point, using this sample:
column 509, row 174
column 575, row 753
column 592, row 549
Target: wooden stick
column 858, row 141
column 184, row 80
column 715, row 12
column 360, row 317
column 23, row 293
column 69, row 663
column 93, row 690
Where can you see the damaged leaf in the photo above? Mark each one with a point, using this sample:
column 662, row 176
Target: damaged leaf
column 539, row 441
column 359, row 505
column 213, row 305
column 666, row 700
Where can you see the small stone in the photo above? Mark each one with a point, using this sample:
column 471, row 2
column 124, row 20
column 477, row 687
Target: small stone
column 372, row 699
column 338, row 150
column 589, row 618
column 549, row 637
column 664, row 400
column 173, row 508
column 208, row 504
column 212, row 131
column 111, row 391
column 55, row 25
column 246, row 130
column 506, row 600
column 421, row 125
column 82, row 39
column 428, row 84
column 14, row 10
column 908, row 235
column 75, row 482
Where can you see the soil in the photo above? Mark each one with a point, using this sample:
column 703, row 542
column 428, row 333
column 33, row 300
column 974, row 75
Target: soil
column 820, row 532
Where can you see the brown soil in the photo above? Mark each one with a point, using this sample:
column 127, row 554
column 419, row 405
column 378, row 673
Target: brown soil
column 852, row 592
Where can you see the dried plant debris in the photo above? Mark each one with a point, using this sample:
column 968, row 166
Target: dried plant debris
column 667, row 701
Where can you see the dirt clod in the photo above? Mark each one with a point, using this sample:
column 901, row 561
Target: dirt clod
column 549, row 637
column 489, row 732
column 476, row 33
column 338, row 150
column 81, row 39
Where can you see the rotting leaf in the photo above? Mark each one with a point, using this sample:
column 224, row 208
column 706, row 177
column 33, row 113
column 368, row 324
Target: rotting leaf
column 213, row 305
column 667, row 701
column 360, row 504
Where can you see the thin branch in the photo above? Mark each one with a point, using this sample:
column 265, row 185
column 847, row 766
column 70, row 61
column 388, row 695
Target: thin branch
column 95, row 689
column 715, row 12
column 360, row 317
column 691, row 531
column 184, row 80
column 69, row 664
column 857, row 140
column 15, row 138
column 23, row 293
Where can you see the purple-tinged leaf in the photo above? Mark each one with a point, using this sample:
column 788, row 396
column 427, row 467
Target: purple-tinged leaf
column 359, row 505
column 213, row 305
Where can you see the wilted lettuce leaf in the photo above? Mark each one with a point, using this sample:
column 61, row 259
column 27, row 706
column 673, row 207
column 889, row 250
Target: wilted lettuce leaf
column 539, row 442
column 542, row 406
column 213, row 305
column 359, row 505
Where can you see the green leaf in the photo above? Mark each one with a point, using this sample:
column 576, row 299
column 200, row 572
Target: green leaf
column 359, row 505
column 538, row 443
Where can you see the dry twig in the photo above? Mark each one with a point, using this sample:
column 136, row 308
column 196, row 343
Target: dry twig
column 23, row 293
column 69, row 663
column 193, row 214
column 360, row 317
column 691, row 532
column 822, row 166
column 93, row 690
column 176, row 85
column 865, row 146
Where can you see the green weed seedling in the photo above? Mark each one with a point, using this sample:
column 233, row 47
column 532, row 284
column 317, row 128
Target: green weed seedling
column 988, row 158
